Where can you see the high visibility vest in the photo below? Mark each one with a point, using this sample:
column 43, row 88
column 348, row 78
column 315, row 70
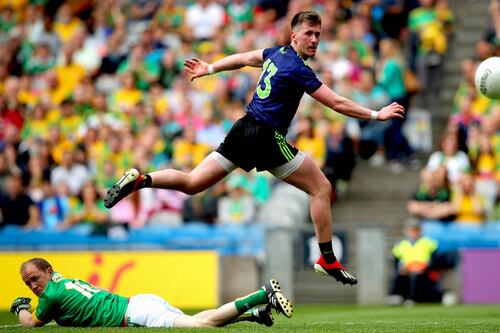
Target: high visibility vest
column 415, row 254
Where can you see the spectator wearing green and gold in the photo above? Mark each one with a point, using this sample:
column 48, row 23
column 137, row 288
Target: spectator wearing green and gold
column 429, row 44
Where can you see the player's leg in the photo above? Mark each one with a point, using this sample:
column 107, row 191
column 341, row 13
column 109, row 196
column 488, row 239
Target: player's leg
column 309, row 178
column 211, row 170
column 224, row 314
column 261, row 315
column 241, row 309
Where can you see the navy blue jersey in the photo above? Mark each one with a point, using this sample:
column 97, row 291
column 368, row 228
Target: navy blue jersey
column 284, row 79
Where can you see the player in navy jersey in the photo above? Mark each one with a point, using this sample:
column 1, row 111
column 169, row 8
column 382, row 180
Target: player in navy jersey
column 258, row 139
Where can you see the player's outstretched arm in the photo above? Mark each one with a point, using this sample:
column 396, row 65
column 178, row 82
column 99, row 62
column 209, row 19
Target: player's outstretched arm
column 198, row 68
column 347, row 107
column 20, row 307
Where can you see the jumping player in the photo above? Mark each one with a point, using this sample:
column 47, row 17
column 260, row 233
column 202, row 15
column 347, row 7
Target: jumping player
column 258, row 139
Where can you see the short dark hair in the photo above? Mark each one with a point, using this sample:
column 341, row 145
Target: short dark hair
column 310, row 17
column 39, row 263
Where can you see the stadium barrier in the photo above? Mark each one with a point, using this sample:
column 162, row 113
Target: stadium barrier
column 239, row 250
column 170, row 274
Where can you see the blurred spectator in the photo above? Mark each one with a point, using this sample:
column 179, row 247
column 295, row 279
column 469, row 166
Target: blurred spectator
column 455, row 161
column 340, row 157
column 205, row 17
column 38, row 171
column 69, row 121
column 430, row 44
column 469, row 206
column 390, row 76
column 40, row 61
column 493, row 215
column 6, row 168
column 37, row 125
column 74, row 175
column 169, row 17
column 372, row 96
column 89, row 210
column 167, row 208
column 493, row 31
column 255, row 183
column 212, row 133
column 310, row 141
column 202, row 207
column 169, row 69
column 141, row 11
column 237, row 207
column 66, row 24
column 393, row 18
column 127, row 96
column 54, row 208
column 414, row 278
column 240, row 13
column 484, row 165
column 432, row 200
column 114, row 54
column 144, row 72
column 187, row 150
column 16, row 207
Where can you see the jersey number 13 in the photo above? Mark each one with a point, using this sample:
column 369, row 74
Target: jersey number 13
column 270, row 69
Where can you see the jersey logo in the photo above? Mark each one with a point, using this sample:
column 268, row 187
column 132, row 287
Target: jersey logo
column 271, row 69
column 56, row 277
column 282, row 50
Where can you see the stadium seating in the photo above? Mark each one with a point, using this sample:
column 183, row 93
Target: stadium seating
column 226, row 239
column 457, row 236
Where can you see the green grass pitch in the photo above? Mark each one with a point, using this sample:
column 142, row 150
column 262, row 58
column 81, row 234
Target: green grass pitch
column 341, row 318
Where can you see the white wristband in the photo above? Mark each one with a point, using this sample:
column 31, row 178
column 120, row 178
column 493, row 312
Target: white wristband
column 374, row 115
column 211, row 69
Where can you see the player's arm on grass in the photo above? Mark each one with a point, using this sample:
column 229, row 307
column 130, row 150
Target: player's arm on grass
column 347, row 107
column 20, row 307
column 198, row 68
column 27, row 319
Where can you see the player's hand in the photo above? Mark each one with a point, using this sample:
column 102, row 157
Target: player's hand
column 196, row 67
column 20, row 303
column 391, row 111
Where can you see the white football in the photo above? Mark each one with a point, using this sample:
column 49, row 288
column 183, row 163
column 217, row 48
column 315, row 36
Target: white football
column 487, row 77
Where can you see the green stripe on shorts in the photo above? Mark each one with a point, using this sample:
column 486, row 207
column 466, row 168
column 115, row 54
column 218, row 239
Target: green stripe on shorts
column 285, row 150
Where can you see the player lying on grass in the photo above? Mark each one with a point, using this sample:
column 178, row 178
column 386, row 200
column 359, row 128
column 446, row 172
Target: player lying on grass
column 258, row 140
column 72, row 302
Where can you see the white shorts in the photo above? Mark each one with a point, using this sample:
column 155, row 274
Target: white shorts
column 151, row 311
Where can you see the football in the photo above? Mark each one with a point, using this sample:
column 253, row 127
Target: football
column 487, row 77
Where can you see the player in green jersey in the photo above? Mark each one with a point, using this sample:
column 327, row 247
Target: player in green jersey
column 72, row 302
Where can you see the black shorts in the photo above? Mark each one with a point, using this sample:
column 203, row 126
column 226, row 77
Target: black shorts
column 253, row 144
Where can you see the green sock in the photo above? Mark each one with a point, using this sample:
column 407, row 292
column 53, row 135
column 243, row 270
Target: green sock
column 245, row 303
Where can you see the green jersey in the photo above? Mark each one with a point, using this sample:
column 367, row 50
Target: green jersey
column 73, row 302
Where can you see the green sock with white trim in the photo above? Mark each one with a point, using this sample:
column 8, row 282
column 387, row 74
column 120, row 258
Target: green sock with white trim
column 245, row 303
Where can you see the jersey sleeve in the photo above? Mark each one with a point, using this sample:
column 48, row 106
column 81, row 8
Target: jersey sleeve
column 306, row 78
column 46, row 309
column 269, row 51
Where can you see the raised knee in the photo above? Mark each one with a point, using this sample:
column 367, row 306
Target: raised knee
column 324, row 188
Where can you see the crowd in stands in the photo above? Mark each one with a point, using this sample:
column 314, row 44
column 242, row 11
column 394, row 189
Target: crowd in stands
column 91, row 88
column 461, row 179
